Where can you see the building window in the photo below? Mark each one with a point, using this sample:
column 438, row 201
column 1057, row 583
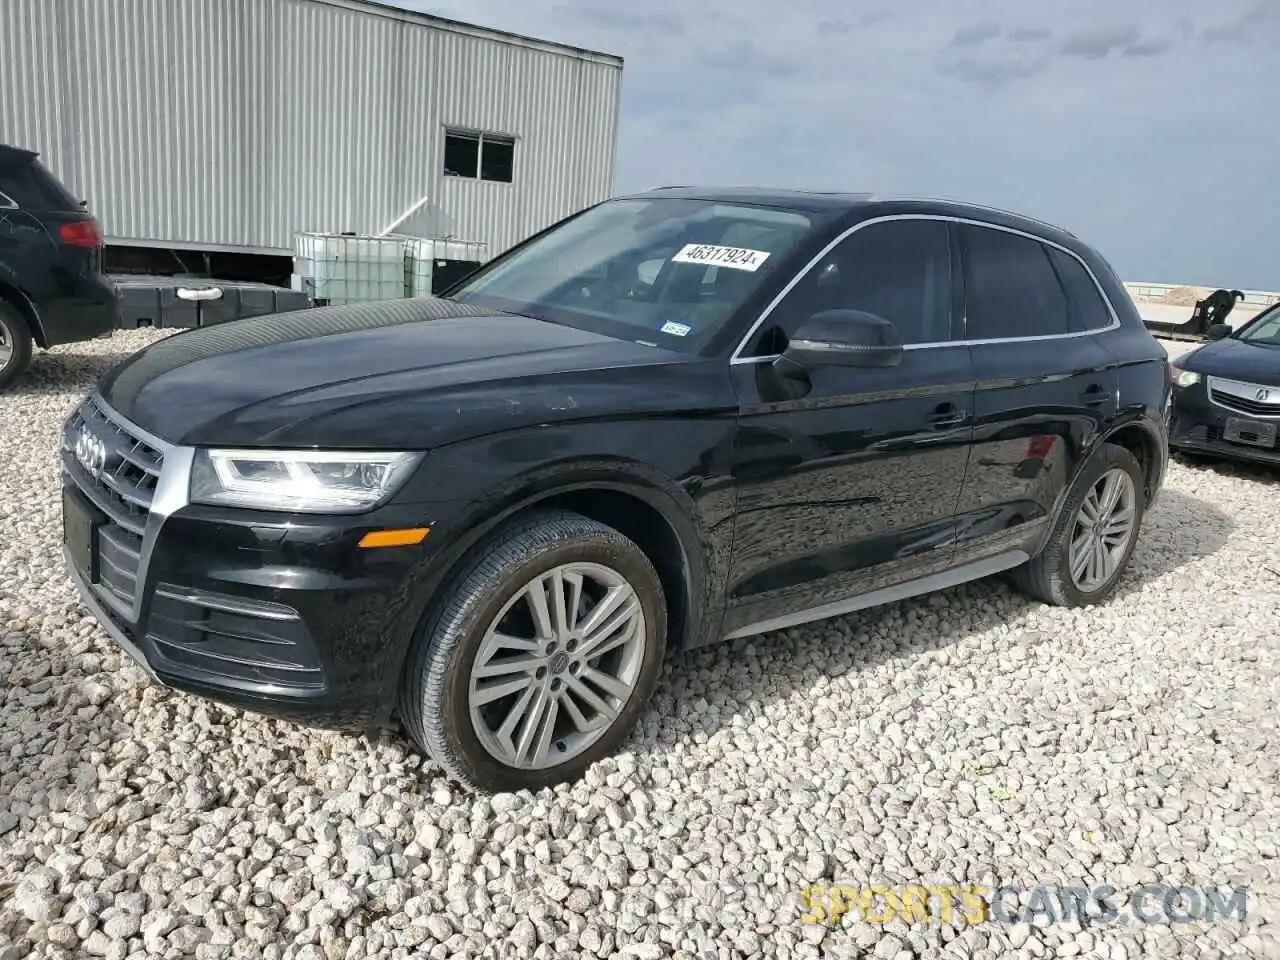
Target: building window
column 484, row 156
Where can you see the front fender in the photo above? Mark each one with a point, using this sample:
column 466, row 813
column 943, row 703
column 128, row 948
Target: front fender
column 695, row 504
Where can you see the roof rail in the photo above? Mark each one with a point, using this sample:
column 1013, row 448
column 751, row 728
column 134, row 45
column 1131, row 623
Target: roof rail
column 982, row 206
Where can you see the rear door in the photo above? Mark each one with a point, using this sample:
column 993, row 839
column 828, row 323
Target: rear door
column 1045, row 385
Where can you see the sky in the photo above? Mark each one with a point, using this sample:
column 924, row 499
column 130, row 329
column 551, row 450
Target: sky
column 1150, row 128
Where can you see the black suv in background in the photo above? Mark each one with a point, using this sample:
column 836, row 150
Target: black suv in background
column 672, row 418
column 52, row 290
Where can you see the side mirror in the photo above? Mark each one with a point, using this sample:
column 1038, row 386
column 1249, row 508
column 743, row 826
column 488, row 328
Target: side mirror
column 843, row 338
column 1217, row 331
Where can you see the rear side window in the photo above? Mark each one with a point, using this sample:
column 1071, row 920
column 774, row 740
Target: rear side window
column 31, row 186
column 1011, row 289
column 1088, row 311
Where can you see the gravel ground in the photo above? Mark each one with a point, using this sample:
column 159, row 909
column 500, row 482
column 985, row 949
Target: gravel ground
column 972, row 737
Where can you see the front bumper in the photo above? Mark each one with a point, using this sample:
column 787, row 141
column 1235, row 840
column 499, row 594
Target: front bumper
column 1198, row 425
column 287, row 617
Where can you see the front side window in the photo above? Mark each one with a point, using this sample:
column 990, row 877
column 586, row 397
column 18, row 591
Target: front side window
column 1264, row 330
column 899, row 270
column 664, row 271
column 1011, row 289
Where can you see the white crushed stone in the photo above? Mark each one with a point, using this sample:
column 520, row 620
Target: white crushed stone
column 969, row 737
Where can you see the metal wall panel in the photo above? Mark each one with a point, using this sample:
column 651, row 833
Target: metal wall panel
column 236, row 123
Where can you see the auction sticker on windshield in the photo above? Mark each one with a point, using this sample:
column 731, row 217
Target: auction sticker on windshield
column 711, row 255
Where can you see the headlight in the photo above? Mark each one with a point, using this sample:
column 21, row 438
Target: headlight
column 1185, row 378
column 303, row 481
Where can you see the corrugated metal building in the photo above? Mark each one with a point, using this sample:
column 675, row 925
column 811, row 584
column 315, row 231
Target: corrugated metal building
column 232, row 124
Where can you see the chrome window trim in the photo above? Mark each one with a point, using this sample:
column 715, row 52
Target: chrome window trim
column 736, row 358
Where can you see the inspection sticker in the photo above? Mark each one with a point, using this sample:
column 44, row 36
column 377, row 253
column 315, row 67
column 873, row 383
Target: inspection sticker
column 738, row 258
column 676, row 329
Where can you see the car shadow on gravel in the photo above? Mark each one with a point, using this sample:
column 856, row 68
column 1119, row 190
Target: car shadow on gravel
column 1178, row 531
column 61, row 371
column 1235, row 469
column 708, row 689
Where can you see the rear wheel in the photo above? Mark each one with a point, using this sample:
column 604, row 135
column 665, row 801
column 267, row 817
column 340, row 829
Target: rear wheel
column 1093, row 539
column 540, row 658
column 15, row 345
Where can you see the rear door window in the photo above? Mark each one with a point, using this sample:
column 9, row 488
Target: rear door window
column 1011, row 289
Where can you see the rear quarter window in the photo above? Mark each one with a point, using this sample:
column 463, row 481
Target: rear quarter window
column 1085, row 306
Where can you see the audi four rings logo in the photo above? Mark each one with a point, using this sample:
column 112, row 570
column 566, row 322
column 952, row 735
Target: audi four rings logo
column 1262, row 395
column 91, row 453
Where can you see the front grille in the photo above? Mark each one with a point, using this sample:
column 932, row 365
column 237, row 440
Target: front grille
column 1242, row 397
column 122, row 489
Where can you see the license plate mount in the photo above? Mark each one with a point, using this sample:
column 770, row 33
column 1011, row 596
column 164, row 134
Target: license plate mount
column 80, row 523
column 1252, row 433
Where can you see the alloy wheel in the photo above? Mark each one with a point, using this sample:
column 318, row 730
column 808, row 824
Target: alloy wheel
column 6, row 345
column 1103, row 528
column 557, row 665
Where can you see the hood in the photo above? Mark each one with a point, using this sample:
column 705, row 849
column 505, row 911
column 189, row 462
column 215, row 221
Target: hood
column 400, row 374
column 1235, row 360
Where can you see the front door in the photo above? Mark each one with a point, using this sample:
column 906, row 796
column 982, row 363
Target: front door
column 848, row 480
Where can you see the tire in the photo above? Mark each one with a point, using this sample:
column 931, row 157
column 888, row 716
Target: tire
column 490, row 588
column 1048, row 576
column 15, row 345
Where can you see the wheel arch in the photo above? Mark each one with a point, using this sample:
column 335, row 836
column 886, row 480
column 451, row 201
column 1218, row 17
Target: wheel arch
column 635, row 500
column 1143, row 441
column 20, row 302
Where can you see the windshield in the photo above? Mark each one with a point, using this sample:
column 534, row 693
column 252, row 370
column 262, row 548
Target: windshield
column 667, row 272
column 1264, row 330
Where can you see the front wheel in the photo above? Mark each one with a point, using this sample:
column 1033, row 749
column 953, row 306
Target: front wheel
column 1094, row 536
column 541, row 656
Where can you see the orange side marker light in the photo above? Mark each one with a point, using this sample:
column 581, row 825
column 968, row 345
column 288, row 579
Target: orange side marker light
column 394, row 538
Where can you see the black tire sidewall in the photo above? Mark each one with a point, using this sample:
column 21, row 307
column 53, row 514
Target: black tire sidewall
column 451, row 714
column 1107, row 458
column 19, row 337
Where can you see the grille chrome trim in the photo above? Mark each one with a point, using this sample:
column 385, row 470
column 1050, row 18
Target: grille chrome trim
column 136, row 510
column 1238, row 397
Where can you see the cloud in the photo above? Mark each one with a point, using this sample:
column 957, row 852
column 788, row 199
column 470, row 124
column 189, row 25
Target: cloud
column 1257, row 23
column 1095, row 43
column 976, row 34
column 621, row 19
column 1146, row 48
column 1029, row 34
column 993, row 72
column 1075, row 117
column 842, row 27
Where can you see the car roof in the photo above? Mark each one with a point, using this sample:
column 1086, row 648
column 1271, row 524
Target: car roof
column 871, row 204
column 10, row 154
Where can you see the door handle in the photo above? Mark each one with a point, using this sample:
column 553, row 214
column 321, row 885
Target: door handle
column 1095, row 396
column 946, row 415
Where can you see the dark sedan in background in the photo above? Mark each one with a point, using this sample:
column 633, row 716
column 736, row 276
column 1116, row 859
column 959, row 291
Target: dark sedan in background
column 1226, row 393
